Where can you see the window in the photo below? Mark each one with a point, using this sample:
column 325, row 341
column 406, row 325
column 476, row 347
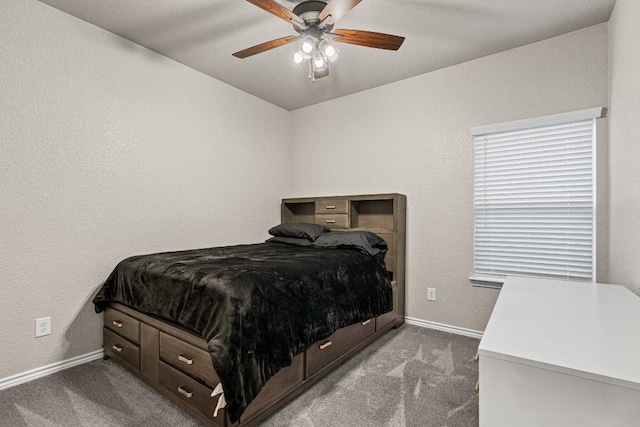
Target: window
column 534, row 198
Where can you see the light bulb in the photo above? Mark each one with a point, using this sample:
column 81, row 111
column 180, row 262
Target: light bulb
column 307, row 46
column 329, row 50
column 297, row 58
column 319, row 61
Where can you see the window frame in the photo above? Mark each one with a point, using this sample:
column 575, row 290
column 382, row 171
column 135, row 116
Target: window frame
column 495, row 280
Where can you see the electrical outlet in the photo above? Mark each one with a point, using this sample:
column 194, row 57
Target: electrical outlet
column 43, row 327
column 431, row 294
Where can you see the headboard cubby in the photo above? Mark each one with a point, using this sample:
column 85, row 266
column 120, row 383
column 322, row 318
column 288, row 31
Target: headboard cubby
column 299, row 212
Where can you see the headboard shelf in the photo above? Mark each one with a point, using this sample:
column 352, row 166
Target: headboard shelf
column 383, row 214
column 303, row 211
column 369, row 214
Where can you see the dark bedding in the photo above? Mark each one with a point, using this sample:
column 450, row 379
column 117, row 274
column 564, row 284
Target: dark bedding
column 257, row 306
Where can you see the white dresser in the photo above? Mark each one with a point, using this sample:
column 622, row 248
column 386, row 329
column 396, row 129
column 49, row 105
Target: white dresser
column 558, row 353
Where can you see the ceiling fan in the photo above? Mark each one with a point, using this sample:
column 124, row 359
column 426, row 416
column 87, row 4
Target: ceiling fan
column 314, row 20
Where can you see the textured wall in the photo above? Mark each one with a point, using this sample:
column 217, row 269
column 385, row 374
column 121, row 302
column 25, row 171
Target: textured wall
column 413, row 137
column 624, row 76
column 109, row 150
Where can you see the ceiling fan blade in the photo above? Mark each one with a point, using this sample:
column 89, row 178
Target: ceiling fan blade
column 369, row 39
column 263, row 47
column 278, row 10
column 336, row 9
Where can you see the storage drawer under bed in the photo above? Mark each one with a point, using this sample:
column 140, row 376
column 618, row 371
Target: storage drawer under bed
column 279, row 385
column 190, row 392
column 188, row 359
column 121, row 349
column 122, row 324
column 324, row 352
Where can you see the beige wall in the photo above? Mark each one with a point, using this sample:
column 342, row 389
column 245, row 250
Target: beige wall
column 107, row 150
column 413, row 137
column 624, row 76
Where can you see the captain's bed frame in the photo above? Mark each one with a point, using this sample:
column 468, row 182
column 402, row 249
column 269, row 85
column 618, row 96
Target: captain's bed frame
column 176, row 362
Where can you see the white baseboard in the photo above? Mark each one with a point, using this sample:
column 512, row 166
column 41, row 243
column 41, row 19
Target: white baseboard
column 49, row 369
column 43, row 371
column 442, row 327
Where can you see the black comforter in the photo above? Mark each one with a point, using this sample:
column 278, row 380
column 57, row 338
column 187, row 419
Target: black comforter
column 257, row 306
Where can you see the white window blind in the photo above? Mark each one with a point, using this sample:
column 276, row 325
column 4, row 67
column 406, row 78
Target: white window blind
column 534, row 201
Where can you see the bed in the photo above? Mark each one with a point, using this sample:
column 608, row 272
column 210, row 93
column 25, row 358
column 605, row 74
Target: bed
column 233, row 333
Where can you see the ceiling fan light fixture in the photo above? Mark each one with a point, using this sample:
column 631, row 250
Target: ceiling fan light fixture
column 313, row 20
column 330, row 52
column 307, row 46
column 319, row 62
column 298, row 58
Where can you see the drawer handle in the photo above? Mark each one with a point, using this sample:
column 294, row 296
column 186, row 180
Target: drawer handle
column 185, row 360
column 331, row 206
column 476, row 358
column 117, row 323
column 325, row 345
column 366, row 322
column 476, row 389
column 117, row 348
column 186, row 393
column 330, row 221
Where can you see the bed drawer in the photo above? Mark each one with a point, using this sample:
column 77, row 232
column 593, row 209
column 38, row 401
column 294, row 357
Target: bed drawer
column 276, row 387
column 187, row 358
column 195, row 395
column 322, row 353
column 119, row 348
column 122, row 324
column 333, row 220
column 332, row 206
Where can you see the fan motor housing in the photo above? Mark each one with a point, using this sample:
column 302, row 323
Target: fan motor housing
column 309, row 11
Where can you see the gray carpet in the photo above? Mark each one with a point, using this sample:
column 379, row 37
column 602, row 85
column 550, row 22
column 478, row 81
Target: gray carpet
column 410, row 377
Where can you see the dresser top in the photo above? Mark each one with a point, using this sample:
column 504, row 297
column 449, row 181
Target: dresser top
column 589, row 330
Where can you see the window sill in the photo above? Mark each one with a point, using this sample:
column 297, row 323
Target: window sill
column 493, row 282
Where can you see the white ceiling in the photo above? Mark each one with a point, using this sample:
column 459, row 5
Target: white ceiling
column 203, row 34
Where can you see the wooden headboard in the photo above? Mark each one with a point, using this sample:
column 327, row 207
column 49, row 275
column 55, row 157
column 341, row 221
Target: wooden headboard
column 383, row 214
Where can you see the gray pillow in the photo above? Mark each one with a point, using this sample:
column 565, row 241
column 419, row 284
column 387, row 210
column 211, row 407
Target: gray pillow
column 365, row 241
column 299, row 230
column 290, row 241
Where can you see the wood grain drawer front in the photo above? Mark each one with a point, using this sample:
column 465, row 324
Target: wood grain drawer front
column 332, row 206
column 333, row 220
column 276, row 387
column 119, row 348
column 122, row 324
column 324, row 352
column 189, row 391
column 187, row 358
